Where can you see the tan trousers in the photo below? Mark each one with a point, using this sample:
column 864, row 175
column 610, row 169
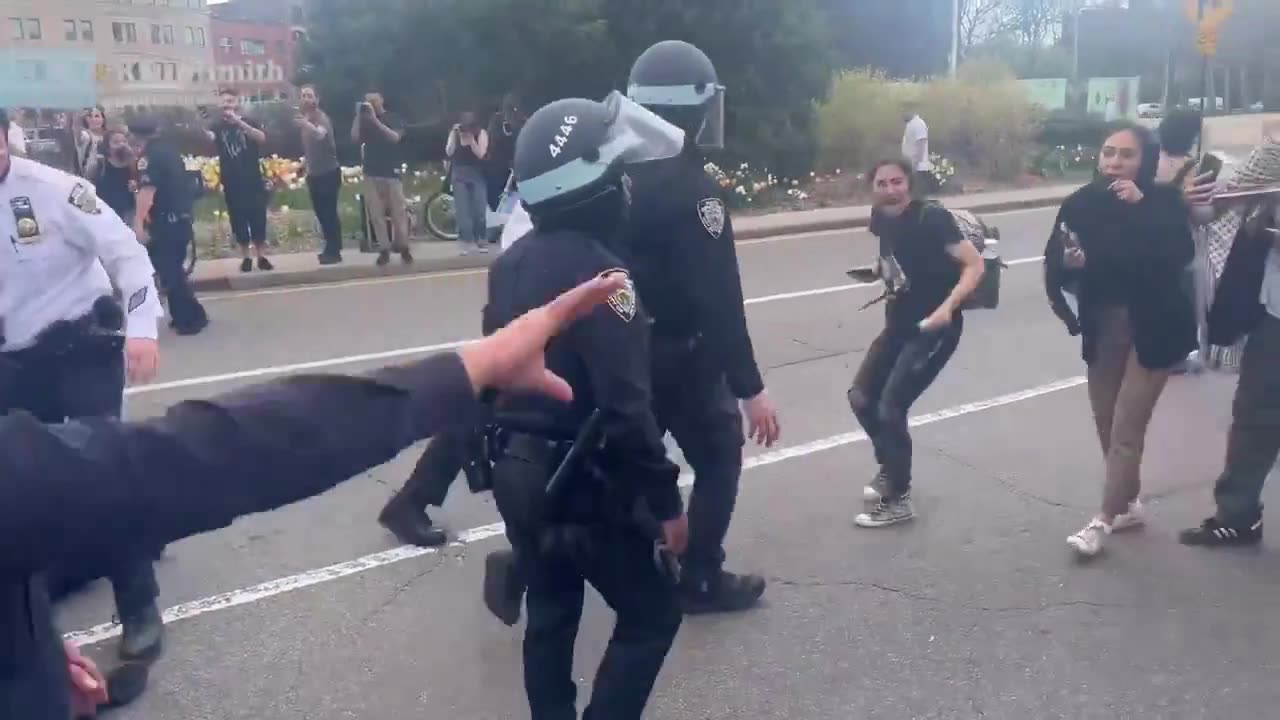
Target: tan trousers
column 1123, row 395
column 383, row 197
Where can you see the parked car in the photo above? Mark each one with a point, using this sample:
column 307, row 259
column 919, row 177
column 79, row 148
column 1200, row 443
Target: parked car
column 1150, row 110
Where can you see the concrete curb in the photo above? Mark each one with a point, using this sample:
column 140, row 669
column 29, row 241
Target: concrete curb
column 365, row 270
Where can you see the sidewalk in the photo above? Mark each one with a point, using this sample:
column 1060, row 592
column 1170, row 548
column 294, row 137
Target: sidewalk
column 434, row 256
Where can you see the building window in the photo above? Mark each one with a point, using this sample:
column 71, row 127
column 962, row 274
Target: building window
column 191, row 35
column 155, row 34
column 31, row 70
column 69, row 30
column 167, row 35
column 225, row 44
column 25, row 28
column 124, row 32
column 33, row 29
column 200, row 37
column 86, row 30
column 253, row 47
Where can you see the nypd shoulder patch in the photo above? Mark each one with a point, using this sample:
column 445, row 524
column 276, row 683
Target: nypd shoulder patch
column 623, row 300
column 712, row 214
column 84, row 200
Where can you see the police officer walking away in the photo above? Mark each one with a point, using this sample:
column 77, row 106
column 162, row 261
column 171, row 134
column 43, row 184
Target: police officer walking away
column 615, row 504
column 686, row 268
column 68, row 344
column 166, row 194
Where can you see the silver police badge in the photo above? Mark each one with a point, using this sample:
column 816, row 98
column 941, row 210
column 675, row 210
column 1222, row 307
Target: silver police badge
column 623, row 300
column 711, row 213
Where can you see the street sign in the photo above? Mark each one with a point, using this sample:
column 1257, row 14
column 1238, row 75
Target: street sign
column 1207, row 42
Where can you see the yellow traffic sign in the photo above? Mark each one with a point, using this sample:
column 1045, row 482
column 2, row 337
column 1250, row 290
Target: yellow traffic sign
column 1207, row 42
column 1215, row 11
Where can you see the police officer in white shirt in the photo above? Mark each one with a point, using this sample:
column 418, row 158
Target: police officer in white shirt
column 67, row 344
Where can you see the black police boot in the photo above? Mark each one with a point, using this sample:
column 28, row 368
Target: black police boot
column 125, row 684
column 143, row 636
column 503, row 588
column 410, row 524
column 719, row 592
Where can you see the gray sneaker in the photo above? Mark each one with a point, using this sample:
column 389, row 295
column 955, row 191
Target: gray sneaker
column 889, row 511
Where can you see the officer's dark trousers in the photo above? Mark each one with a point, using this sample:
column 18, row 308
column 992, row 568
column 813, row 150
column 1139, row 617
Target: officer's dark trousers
column 88, row 387
column 898, row 367
column 170, row 238
column 436, row 470
column 621, row 568
column 691, row 400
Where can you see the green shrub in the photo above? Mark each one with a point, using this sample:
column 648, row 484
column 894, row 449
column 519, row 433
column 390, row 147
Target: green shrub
column 980, row 120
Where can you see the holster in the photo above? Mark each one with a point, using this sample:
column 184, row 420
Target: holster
column 98, row 333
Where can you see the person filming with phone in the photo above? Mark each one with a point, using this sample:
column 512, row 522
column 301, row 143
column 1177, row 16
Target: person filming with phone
column 1121, row 246
column 467, row 147
column 380, row 133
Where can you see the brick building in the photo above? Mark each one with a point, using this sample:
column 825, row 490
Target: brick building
column 255, row 46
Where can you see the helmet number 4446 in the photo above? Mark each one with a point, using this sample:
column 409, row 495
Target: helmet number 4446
column 565, row 131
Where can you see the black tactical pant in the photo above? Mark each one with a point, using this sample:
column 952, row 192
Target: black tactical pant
column 899, row 366
column 620, row 566
column 691, row 400
column 441, row 461
column 90, row 386
column 170, row 238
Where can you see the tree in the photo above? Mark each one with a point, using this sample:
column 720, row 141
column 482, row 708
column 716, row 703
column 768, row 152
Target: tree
column 979, row 21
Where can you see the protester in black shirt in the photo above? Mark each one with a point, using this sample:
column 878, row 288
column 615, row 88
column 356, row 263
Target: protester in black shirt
column 928, row 269
column 117, row 176
column 239, row 142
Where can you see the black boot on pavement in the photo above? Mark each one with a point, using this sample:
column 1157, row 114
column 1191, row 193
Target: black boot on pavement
column 1213, row 533
column 125, row 684
column 409, row 523
column 722, row 592
column 142, row 638
column 503, row 588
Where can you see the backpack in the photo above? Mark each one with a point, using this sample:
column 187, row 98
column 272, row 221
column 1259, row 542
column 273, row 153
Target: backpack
column 986, row 238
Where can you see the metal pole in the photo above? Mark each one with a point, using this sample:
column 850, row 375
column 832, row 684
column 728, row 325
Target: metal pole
column 1075, row 45
column 955, row 37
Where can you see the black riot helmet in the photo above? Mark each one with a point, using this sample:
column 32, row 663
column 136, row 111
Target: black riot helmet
column 679, row 82
column 571, row 156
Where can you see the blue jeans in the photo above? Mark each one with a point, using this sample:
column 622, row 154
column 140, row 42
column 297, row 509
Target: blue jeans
column 470, row 204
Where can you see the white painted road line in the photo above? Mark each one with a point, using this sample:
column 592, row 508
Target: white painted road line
column 280, row 586
column 385, row 355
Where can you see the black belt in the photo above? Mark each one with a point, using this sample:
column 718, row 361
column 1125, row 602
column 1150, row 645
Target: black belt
column 170, row 218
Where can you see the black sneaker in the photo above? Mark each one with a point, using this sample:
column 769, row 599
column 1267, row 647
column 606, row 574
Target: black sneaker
column 406, row 257
column 327, row 259
column 384, row 257
column 1213, row 533
column 246, row 265
column 265, row 264
column 410, row 524
column 889, row 511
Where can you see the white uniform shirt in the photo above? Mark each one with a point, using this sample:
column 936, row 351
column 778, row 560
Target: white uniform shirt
column 63, row 249
column 518, row 225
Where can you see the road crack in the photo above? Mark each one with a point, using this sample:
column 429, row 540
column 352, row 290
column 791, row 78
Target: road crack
column 929, row 599
column 430, row 567
column 1007, row 482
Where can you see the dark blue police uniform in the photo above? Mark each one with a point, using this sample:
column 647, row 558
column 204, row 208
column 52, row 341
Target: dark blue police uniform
column 171, row 231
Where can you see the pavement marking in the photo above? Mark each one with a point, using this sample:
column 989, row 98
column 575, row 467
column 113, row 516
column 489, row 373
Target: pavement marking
column 239, row 294
column 441, row 347
column 280, row 586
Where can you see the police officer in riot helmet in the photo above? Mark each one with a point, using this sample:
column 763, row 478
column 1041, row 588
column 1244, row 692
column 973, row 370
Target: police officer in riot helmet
column 586, row 490
column 685, row 266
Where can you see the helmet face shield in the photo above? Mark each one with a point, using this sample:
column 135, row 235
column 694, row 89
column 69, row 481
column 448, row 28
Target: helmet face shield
column 633, row 135
column 708, row 97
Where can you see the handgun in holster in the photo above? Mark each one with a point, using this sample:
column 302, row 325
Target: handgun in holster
column 100, row 331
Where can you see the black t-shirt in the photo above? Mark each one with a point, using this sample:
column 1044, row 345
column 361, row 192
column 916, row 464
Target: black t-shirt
column 239, row 158
column 115, row 186
column 919, row 242
column 382, row 157
column 161, row 167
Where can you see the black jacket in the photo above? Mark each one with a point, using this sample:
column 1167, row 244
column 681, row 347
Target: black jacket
column 681, row 241
column 1136, row 255
column 1237, row 304
column 115, row 488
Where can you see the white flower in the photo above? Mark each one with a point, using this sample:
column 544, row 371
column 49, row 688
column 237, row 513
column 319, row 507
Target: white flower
column 284, row 208
column 740, row 190
column 837, row 171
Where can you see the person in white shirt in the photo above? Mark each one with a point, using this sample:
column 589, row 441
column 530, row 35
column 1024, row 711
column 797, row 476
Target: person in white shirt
column 915, row 147
column 17, row 140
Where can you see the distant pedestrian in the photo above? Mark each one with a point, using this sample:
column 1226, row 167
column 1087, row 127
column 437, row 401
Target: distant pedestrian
column 467, row 148
column 240, row 142
column 90, row 137
column 116, row 176
column 380, row 133
column 915, row 148
column 324, row 175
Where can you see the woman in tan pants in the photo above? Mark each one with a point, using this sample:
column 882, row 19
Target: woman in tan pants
column 1122, row 245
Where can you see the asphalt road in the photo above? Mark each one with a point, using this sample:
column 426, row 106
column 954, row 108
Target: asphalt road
column 975, row 610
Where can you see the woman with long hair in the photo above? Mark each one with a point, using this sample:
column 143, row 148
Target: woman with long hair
column 1122, row 245
column 90, row 136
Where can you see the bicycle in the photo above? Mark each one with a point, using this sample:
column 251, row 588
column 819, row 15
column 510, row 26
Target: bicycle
column 441, row 220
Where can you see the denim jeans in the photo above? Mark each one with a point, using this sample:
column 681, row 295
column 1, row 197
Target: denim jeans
column 470, row 203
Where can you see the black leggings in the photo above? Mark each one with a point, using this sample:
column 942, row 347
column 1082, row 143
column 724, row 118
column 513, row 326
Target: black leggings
column 248, row 216
column 899, row 366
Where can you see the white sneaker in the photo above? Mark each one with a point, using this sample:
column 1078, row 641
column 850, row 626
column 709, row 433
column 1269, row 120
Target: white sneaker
column 1088, row 542
column 1132, row 520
